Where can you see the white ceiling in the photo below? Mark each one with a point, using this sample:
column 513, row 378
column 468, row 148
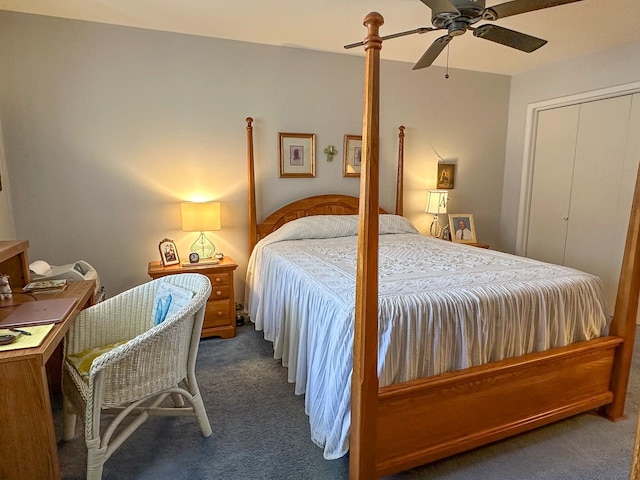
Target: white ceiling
column 327, row 25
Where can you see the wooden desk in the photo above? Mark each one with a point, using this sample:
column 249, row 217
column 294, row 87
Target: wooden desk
column 28, row 448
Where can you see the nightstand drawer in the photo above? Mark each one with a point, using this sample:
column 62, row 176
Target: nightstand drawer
column 217, row 313
column 219, row 279
column 219, row 292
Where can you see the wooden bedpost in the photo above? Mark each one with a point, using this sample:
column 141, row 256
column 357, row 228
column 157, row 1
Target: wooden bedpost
column 626, row 310
column 400, row 179
column 253, row 235
column 364, row 381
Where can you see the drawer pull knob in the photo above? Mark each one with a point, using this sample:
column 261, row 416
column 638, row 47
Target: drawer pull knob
column 218, row 292
column 220, row 314
column 218, row 279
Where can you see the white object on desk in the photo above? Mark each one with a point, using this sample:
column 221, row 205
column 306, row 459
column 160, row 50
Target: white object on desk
column 80, row 270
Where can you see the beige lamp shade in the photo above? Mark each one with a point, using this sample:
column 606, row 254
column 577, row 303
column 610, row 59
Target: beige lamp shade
column 437, row 202
column 200, row 217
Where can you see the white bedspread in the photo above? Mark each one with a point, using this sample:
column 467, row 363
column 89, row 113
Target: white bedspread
column 442, row 307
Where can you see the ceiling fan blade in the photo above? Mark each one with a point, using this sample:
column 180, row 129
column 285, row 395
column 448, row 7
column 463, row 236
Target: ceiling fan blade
column 517, row 7
column 510, row 38
column 441, row 6
column 432, row 52
column 396, row 35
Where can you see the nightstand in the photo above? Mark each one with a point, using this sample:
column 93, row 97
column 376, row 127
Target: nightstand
column 479, row 245
column 220, row 313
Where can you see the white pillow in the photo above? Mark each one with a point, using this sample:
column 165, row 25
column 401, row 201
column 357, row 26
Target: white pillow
column 169, row 299
column 332, row 226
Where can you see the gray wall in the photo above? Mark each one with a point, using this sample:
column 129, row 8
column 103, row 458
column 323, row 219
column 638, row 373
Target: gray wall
column 7, row 229
column 107, row 128
column 613, row 67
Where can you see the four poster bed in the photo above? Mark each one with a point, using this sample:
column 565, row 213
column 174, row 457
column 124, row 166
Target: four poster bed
column 410, row 349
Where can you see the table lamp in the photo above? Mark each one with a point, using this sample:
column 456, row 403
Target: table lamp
column 436, row 204
column 201, row 217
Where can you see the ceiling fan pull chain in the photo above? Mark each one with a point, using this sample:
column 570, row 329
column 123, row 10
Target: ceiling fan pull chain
column 446, row 75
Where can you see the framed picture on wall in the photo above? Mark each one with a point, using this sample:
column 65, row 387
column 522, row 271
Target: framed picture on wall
column 297, row 152
column 168, row 252
column 446, row 175
column 352, row 155
column 462, row 228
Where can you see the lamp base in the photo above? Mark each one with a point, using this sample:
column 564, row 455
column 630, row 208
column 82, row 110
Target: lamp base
column 434, row 229
column 203, row 247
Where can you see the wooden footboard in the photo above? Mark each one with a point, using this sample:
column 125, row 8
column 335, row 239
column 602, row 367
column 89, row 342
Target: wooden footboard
column 429, row 419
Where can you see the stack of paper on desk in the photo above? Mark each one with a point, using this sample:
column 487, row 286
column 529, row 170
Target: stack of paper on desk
column 46, row 286
column 38, row 334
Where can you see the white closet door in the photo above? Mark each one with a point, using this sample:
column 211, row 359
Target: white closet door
column 594, row 226
column 551, row 187
column 629, row 175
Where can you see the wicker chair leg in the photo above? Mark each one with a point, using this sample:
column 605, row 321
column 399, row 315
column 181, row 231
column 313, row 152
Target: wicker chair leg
column 96, row 457
column 201, row 415
column 69, row 420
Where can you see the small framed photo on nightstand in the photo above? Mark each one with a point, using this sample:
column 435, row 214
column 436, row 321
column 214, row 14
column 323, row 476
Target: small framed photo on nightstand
column 168, row 252
column 462, row 228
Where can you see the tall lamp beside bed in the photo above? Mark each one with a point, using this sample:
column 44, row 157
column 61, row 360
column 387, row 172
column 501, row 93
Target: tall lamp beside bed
column 405, row 415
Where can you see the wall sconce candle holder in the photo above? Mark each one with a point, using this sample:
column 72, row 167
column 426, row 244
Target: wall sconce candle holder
column 330, row 152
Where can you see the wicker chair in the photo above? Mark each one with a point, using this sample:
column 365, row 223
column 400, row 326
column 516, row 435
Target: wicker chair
column 153, row 363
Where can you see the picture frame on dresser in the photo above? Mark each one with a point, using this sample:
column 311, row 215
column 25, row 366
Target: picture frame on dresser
column 462, row 228
column 297, row 153
column 168, row 252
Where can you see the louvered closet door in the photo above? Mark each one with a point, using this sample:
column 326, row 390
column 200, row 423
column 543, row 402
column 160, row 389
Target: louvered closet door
column 551, row 189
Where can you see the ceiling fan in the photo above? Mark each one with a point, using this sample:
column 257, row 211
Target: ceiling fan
column 458, row 16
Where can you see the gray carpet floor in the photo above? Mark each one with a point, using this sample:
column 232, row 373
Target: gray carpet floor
column 260, row 431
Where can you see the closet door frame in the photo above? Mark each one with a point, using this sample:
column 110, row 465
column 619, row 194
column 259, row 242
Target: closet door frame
column 531, row 128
